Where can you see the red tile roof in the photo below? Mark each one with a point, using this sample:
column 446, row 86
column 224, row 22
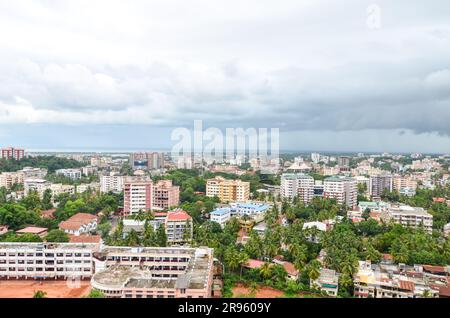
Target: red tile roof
column 178, row 215
column 32, row 230
column 77, row 221
column 254, row 263
column 406, row 285
column 48, row 213
column 290, row 269
column 434, row 269
column 444, row 292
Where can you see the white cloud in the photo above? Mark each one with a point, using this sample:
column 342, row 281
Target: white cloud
column 306, row 65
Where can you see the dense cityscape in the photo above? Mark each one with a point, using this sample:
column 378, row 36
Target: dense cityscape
column 147, row 225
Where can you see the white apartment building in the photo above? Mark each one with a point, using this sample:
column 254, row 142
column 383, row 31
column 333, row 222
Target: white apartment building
column 89, row 170
column 69, row 173
column 111, row 183
column 59, row 188
column 46, row 260
column 38, row 185
column 30, row 173
column 409, row 217
column 93, row 186
column 297, row 185
column 343, row 189
column 221, row 216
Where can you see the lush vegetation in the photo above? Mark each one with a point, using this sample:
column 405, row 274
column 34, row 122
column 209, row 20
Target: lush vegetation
column 51, row 163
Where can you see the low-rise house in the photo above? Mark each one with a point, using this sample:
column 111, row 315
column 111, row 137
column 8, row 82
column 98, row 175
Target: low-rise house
column 48, row 214
column 3, row 229
column 79, row 223
column 260, row 228
column 221, row 216
column 328, row 281
column 293, row 273
column 447, row 229
column 319, row 226
column 40, row 231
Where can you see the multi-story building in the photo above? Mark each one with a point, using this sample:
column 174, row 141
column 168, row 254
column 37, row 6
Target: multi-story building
column 111, row 183
column 343, row 189
column 165, row 195
column 221, row 216
column 93, row 186
column 228, row 190
column 12, row 153
column 59, row 188
column 399, row 281
column 137, row 195
column 30, row 173
column 38, row 185
column 253, row 210
column 46, row 260
column 73, row 174
column 409, row 217
column 344, row 163
column 8, row 179
column 147, row 160
column 89, row 170
column 179, row 227
column 297, row 185
column 328, row 281
column 378, row 184
column 403, row 182
column 126, row 272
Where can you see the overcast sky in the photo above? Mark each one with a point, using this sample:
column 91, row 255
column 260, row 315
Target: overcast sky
column 332, row 75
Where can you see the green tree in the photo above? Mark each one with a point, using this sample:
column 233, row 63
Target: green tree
column 40, row 294
column 57, row 236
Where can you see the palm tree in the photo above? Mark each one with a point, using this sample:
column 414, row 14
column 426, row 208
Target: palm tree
column 40, row 294
column 243, row 258
column 313, row 270
column 265, row 271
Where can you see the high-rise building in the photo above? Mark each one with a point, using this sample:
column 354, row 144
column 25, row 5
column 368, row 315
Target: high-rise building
column 344, row 163
column 12, row 153
column 402, row 182
column 315, row 157
column 297, row 185
column 228, row 190
column 343, row 189
column 147, row 160
column 378, row 184
column 137, row 195
column 165, row 195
